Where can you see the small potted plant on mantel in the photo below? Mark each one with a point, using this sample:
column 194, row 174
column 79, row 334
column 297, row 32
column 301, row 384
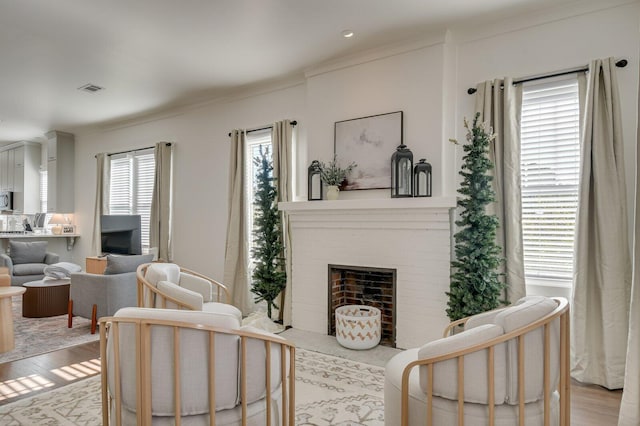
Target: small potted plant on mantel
column 333, row 175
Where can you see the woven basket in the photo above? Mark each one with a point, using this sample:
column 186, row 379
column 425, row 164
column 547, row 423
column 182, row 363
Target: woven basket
column 358, row 326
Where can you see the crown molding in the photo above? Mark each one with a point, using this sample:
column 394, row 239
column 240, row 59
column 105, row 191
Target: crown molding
column 469, row 31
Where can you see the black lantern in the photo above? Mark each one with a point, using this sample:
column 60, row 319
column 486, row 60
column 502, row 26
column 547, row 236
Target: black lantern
column 422, row 179
column 402, row 172
column 314, row 190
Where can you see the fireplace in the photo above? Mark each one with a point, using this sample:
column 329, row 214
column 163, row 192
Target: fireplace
column 409, row 236
column 357, row 285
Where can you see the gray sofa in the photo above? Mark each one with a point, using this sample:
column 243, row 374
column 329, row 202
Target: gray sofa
column 26, row 261
column 94, row 296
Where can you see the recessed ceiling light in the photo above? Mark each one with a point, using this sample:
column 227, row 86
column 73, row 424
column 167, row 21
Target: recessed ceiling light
column 91, row 88
column 347, row 34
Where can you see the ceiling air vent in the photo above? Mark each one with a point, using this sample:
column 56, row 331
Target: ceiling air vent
column 91, row 88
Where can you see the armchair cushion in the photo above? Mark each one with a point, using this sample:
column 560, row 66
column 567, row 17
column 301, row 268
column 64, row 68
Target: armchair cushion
column 475, row 366
column 52, row 258
column 222, row 308
column 526, row 311
column 157, row 272
column 27, row 252
column 182, row 294
column 197, row 284
column 22, row 269
column 488, row 317
column 256, row 356
column 194, row 350
column 124, row 264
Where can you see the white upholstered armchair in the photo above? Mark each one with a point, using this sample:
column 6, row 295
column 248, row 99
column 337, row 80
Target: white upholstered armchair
column 205, row 363
column 478, row 377
column 167, row 285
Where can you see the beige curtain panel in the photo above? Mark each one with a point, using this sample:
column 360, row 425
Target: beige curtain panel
column 281, row 139
column 160, row 222
column 630, row 405
column 499, row 103
column 236, row 259
column 602, row 270
column 102, row 200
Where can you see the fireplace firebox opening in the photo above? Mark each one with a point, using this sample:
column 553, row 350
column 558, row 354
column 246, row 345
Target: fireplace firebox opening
column 358, row 285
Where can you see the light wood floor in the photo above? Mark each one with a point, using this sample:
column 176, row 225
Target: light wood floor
column 590, row 405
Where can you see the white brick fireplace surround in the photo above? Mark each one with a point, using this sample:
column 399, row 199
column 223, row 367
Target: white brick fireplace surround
column 411, row 235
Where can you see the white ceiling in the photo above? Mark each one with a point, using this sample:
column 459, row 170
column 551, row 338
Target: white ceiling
column 154, row 54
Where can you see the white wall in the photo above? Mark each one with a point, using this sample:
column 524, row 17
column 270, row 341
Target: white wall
column 428, row 81
column 557, row 45
column 200, row 169
column 409, row 81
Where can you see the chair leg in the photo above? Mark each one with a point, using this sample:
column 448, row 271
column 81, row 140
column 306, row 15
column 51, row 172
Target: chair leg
column 94, row 320
column 70, row 313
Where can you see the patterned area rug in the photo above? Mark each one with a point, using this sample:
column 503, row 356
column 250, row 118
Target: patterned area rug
column 35, row 336
column 330, row 391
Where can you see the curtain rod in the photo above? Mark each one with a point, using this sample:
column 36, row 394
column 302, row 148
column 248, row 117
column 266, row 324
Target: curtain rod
column 620, row 64
column 293, row 123
column 132, row 150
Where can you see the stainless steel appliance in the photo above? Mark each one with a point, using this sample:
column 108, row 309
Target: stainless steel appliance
column 6, row 200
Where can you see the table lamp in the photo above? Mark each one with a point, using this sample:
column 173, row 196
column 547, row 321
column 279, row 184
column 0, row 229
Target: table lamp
column 58, row 220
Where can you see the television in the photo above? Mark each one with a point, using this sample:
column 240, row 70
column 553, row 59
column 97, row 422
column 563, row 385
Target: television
column 120, row 234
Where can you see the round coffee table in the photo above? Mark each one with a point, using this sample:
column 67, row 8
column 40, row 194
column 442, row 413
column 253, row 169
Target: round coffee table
column 45, row 298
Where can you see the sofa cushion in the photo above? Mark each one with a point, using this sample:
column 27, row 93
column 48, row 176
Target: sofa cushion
column 124, row 264
column 475, row 365
column 524, row 312
column 27, row 252
column 23, row 269
column 184, row 295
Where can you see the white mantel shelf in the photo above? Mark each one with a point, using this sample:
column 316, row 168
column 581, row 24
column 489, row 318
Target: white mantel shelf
column 370, row 204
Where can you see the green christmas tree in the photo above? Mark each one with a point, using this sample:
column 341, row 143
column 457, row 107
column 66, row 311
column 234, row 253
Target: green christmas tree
column 475, row 281
column 269, row 276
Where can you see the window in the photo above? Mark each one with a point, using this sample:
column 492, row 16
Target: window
column 255, row 142
column 131, row 187
column 550, row 165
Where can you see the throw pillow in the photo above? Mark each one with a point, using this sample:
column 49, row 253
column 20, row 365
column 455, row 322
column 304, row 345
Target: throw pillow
column 124, row 264
column 27, row 252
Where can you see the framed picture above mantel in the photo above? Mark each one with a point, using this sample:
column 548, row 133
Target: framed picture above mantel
column 369, row 142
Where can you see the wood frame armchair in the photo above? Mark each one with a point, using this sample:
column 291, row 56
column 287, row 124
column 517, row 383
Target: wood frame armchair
column 149, row 295
column 253, row 368
column 554, row 384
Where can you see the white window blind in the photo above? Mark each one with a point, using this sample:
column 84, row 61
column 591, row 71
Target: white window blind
column 550, row 165
column 131, row 187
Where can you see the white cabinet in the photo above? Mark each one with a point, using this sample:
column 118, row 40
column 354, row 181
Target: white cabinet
column 4, row 171
column 20, row 173
column 60, row 172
